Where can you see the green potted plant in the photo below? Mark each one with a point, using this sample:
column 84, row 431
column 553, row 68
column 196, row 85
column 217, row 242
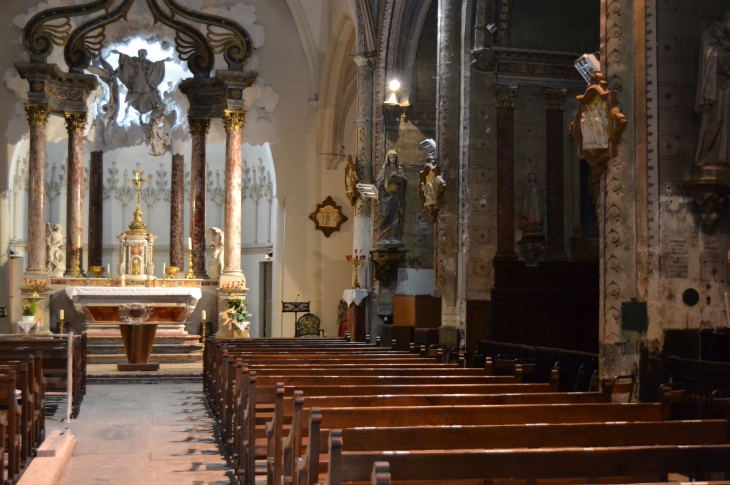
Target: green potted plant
column 237, row 309
column 29, row 310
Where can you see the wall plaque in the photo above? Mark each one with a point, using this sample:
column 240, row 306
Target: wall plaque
column 328, row 217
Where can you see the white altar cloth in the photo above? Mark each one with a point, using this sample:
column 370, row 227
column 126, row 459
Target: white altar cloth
column 355, row 295
column 73, row 291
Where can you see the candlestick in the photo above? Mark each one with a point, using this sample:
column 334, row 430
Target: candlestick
column 190, row 274
column 204, row 315
column 61, row 326
column 77, row 271
column 203, row 331
column 60, row 315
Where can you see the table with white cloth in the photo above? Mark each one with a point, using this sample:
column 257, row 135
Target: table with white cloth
column 137, row 311
column 356, row 313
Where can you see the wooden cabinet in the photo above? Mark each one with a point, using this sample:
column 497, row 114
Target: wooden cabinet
column 419, row 311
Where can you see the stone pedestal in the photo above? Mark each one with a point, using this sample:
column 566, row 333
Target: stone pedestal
column 227, row 327
column 42, row 316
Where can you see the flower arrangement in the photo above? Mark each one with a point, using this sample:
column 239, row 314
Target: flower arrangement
column 36, row 286
column 237, row 309
column 234, row 286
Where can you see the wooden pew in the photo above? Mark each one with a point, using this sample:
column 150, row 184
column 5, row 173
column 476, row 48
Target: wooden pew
column 349, row 417
column 36, row 404
column 10, row 416
column 446, row 467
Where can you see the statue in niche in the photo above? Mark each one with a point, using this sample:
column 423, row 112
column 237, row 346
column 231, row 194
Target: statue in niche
column 713, row 95
column 217, row 238
column 158, row 130
column 531, row 214
column 351, row 180
column 141, row 78
column 55, row 258
column 392, row 202
column 594, row 125
column 136, row 266
column 109, row 77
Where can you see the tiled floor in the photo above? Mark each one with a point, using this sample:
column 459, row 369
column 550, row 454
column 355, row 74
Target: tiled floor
column 145, row 435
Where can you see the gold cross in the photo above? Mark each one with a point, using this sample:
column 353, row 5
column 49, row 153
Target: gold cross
column 138, row 181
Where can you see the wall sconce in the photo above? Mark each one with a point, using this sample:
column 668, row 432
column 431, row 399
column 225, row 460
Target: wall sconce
column 392, row 106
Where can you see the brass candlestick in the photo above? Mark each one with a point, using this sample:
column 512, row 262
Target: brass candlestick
column 62, row 326
column 109, row 279
column 77, row 271
column 190, row 274
column 355, row 261
column 203, row 332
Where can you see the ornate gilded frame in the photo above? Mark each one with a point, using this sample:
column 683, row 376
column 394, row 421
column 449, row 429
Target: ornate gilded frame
column 328, row 217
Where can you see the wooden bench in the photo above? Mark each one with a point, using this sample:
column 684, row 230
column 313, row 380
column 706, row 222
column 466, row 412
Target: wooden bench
column 10, row 417
column 446, row 467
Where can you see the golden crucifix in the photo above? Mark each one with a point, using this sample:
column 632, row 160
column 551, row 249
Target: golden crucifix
column 138, row 226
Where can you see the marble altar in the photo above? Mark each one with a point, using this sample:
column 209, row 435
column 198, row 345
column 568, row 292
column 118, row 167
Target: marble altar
column 105, row 307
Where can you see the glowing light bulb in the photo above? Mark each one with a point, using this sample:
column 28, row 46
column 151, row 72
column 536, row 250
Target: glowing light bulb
column 394, row 85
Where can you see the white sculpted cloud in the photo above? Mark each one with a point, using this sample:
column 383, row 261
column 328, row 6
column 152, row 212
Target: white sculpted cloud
column 260, row 100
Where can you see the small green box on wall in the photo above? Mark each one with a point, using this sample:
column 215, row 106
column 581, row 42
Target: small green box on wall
column 634, row 316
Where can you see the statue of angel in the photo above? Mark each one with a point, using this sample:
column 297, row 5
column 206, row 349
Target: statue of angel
column 217, row 238
column 108, row 76
column 158, row 130
column 55, row 259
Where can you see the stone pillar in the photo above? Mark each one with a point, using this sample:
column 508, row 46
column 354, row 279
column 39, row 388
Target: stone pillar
column 177, row 212
column 505, row 172
column 37, row 118
column 361, row 227
column 448, row 134
column 96, row 208
column 199, row 131
column 233, row 121
column 75, row 124
column 555, row 179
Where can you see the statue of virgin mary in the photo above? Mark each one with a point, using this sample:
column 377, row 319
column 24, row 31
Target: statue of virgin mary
column 392, row 202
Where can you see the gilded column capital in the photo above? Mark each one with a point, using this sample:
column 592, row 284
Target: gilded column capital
column 75, row 121
column 233, row 120
column 37, row 113
column 505, row 96
column 554, row 99
column 199, row 126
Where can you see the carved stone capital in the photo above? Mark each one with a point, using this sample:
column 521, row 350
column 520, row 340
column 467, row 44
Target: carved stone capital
column 554, row 99
column 234, row 120
column 37, row 113
column 505, row 96
column 362, row 61
column 199, row 126
column 75, row 121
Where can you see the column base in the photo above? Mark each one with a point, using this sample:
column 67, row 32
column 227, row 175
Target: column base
column 201, row 275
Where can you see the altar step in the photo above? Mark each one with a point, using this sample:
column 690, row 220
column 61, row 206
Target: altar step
column 167, row 349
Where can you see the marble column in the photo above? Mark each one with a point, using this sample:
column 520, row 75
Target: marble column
column 505, row 172
column 364, row 162
column 75, row 124
column 37, row 118
column 199, row 131
column 177, row 212
column 555, row 174
column 233, row 121
column 96, row 208
column 448, row 134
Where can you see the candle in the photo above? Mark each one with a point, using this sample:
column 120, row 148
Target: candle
column 78, row 241
column 109, row 269
column 164, row 267
column 190, row 243
column 60, row 315
column 204, row 315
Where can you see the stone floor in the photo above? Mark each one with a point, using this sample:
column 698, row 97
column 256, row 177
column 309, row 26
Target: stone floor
column 144, row 435
column 183, row 368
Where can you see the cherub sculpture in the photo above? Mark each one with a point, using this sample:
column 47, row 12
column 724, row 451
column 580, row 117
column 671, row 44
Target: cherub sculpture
column 217, row 238
column 55, row 259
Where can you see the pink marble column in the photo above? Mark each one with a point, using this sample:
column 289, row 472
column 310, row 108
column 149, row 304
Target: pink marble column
column 75, row 124
column 199, row 131
column 37, row 118
column 233, row 121
column 177, row 257
column 96, row 208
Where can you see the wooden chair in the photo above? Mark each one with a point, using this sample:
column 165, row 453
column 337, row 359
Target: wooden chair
column 308, row 326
